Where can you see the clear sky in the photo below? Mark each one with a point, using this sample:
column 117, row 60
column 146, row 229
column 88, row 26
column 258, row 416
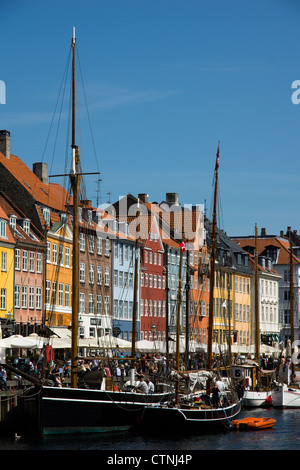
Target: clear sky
column 164, row 81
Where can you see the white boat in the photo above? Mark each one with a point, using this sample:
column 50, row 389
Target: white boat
column 254, row 399
column 256, row 384
column 285, row 396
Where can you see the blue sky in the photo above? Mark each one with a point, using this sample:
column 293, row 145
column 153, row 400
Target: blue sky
column 164, row 81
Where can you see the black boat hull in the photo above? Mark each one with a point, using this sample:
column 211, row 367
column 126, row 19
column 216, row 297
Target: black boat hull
column 54, row 410
column 162, row 418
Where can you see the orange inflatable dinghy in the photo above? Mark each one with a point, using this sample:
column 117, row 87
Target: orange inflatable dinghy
column 254, row 423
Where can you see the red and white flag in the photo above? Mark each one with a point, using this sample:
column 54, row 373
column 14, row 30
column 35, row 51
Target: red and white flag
column 182, row 246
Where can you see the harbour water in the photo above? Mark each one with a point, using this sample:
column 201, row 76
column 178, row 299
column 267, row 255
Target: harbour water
column 285, row 435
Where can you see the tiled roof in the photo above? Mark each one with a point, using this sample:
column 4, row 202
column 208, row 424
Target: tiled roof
column 263, row 243
column 51, row 195
column 6, row 210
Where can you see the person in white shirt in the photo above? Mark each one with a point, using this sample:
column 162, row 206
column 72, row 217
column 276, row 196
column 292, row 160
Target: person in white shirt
column 150, row 386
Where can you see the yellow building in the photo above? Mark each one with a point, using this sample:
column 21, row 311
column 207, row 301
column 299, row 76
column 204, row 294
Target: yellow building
column 58, row 282
column 223, row 301
column 7, row 245
column 242, row 311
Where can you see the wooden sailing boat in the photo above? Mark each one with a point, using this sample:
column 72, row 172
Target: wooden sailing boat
column 187, row 415
column 54, row 410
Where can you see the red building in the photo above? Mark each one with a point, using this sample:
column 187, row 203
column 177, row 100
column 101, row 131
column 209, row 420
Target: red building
column 152, row 282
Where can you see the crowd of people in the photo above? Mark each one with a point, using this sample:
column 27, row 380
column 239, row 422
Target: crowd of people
column 149, row 368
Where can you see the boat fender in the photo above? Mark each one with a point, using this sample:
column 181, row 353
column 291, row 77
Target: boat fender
column 269, row 399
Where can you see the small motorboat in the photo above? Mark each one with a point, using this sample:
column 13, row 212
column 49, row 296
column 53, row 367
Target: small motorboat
column 254, row 423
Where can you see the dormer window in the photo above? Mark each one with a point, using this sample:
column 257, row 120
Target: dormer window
column 46, row 215
column 89, row 217
column 26, row 226
column 79, row 214
column 3, row 229
column 99, row 215
column 12, row 221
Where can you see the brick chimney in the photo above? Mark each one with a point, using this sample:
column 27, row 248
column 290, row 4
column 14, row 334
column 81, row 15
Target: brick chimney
column 5, row 143
column 172, row 199
column 40, row 170
column 143, row 197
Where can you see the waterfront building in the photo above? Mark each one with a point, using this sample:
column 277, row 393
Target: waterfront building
column 27, row 268
column 124, row 256
column 232, row 292
column 277, row 250
column 152, row 282
column 268, row 301
column 95, row 274
column 58, row 274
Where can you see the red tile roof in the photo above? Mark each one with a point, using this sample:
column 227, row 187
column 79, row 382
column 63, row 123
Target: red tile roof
column 263, row 243
column 51, row 195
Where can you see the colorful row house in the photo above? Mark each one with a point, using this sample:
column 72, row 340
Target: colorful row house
column 22, row 271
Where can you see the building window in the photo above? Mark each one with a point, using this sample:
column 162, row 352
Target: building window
column 107, row 276
column 91, row 273
column 38, row 298
column 99, row 304
column 60, row 294
column 4, row 261
column 25, row 260
column 67, row 257
column 24, row 296
column 48, row 252
column 31, row 297
column 99, row 246
column 54, row 292
column 26, row 226
column 91, row 303
column 54, row 253
column 2, row 229
column 48, row 287
column 39, row 262
column 81, row 303
column 106, row 305
column 3, row 299
column 99, row 275
column 32, row 261
column 81, row 242
column 12, row 221
column 91, row 244
column 46, row 214
column 82, row 272
column 107, row 247
column 17, row 259
column 61, row 255
column 67, row 295
column 17, row 296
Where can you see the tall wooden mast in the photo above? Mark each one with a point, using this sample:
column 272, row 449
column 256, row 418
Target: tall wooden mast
column 257, row 352
column 75, row 178
column 182, row 249
column 212, row 270
column 135, row 297
column 292, row 304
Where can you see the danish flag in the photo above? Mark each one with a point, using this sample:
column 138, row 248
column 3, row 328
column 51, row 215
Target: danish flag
column 182, row 246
